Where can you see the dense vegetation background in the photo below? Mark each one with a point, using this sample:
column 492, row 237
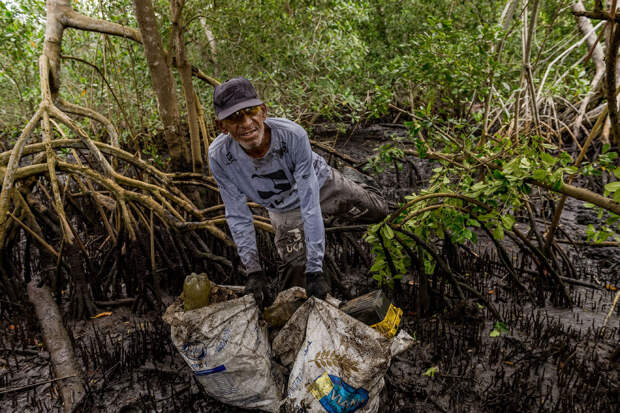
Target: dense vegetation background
column 344, row 60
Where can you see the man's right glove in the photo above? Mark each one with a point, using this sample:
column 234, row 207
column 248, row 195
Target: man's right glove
column 316, row 285
column 257, row 286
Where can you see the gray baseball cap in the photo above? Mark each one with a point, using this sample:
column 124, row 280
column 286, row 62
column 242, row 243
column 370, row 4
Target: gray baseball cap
column 233, row 95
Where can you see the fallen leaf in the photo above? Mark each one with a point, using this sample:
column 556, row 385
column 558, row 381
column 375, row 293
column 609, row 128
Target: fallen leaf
column 432, row 371
column 491, row 291
column 11, row 327
column 611, row 287
column 104, row 314
column 509, row 363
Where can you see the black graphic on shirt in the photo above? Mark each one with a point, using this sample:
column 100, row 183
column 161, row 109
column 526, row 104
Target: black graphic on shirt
column 229, row 158
column 282, row 150
column 271, row 184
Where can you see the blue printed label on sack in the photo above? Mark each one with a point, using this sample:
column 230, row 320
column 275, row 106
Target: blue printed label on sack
column 194, row 351
column 210, row 371
column 336, row 396
column 223, row 340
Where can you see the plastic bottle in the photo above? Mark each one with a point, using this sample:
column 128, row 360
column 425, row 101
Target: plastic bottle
column 196, row 291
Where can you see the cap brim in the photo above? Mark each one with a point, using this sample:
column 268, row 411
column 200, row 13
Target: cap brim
column 241, row 105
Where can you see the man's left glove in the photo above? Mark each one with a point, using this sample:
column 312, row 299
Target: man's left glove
column 316, row 285
column 257, row 285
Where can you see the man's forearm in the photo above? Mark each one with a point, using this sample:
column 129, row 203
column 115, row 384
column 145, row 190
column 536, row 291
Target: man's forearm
column 314, row 229
column 244, row 236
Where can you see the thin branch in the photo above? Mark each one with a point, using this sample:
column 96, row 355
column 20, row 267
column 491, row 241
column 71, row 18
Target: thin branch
column 440, row 261
column 34, row 234
column 76, row 20
column 596, row 15
column 31, row 385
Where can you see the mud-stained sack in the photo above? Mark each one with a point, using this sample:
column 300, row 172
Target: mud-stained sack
column 338, row 362
column 229, row 352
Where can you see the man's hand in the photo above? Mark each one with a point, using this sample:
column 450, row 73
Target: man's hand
column 316, row 285
column 257, row 286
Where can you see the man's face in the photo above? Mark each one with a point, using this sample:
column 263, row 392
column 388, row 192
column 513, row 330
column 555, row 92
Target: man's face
column 247, row 126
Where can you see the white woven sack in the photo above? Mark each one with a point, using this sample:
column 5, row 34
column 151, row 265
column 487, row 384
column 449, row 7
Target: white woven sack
column 338, row 362
column 229, row 352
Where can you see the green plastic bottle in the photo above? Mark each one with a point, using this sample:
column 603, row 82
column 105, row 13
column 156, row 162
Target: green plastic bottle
column 196, row 291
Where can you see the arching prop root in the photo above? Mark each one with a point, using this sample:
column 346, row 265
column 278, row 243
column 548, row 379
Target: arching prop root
column 57, row 191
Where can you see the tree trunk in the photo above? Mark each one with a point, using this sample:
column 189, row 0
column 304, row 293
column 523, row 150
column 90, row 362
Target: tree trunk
column 611, row 73
column 598, row 58
column 163, row 84
column 185, row 71
column 212, row 47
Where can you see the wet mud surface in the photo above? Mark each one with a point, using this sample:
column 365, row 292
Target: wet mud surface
column 550, row 359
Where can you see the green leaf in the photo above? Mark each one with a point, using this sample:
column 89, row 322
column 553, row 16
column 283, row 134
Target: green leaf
column 387, row 232
column 378, row 265
column 500, row 326
column 539, row 174
column 432, row 371
column 498, row 233
column 494, row 333
column 497, row 174
column 617, row 172
column 612, row 187
column 548, row 159
column 508, row 221
column 525, row 163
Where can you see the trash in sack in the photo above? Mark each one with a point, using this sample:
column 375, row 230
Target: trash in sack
column 337, row 362
column 284, row 306
column 375, row 310
column 228, row 350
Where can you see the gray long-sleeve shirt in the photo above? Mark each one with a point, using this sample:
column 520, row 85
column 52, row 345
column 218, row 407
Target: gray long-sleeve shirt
column 288, row 176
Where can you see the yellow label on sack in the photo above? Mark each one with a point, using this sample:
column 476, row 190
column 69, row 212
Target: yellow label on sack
column 321, row 386
column 389, row 325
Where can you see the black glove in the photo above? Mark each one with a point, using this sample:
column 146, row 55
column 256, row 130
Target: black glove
column 316, row 285
column 257, row 286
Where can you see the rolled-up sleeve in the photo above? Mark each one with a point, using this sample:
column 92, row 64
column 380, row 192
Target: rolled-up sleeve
column 238, row 217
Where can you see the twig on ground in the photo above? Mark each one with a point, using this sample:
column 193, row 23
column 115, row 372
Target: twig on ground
column 30, row 386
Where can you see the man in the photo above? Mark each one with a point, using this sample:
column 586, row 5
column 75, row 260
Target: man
column 269, row 161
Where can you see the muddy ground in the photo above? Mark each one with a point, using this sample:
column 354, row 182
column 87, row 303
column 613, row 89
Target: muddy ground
column 551, row 359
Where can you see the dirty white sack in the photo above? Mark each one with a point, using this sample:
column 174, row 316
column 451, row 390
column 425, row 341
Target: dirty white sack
column 338, row 362
column 228, row 350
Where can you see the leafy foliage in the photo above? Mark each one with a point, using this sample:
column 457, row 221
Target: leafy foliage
column 471, row 187
column 310, row 59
